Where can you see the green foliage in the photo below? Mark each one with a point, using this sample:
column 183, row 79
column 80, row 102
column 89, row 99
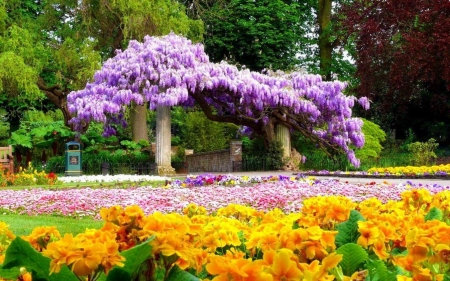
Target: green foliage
column 166, row 16
column 21, row 138
column 275, row 156
column 260, row 157
column 348, row 230
column 374, row 136
column 253, row 147
column 379, row 272
column 134, row 258
column 177, row 274
column 353, row 257
column 423, row 152
column 20, row 76
column 258, row 34
column 40, row 135
column 42, row 117
column 21, row 254
column 201, row 134
column 434, row 214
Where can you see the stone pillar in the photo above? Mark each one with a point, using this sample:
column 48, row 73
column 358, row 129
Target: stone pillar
column 163, row 142
column 236, row 155
column 284, row 137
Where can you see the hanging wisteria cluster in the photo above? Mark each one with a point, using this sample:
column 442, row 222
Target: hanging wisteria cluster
column 171, row 70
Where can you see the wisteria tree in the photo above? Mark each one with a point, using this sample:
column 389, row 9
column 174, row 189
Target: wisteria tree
column 171, row 70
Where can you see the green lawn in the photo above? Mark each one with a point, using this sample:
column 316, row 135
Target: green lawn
column 23, row 225
column 91, row 185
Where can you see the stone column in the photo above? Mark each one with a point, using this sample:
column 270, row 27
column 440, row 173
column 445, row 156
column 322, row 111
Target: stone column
column 284, row 137
column 163, row 139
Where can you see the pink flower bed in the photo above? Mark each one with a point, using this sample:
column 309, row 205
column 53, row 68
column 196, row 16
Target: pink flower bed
column 287, row 196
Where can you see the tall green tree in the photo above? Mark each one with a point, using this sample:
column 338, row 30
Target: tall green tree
column 280, row 34
column 255, row 34
column 51, row 47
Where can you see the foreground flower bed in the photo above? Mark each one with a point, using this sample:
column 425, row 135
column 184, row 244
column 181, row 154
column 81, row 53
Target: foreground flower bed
column 329, row 238
column 285, row 195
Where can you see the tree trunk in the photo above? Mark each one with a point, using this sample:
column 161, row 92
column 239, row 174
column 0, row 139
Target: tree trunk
column 268, row 133
column 325, row 44
column 59, row 98
column 138, row 116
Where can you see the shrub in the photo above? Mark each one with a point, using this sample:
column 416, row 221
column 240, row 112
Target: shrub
column 423, row 152
column 374, row 136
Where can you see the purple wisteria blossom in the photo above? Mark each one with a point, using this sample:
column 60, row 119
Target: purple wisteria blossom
column 171, row 70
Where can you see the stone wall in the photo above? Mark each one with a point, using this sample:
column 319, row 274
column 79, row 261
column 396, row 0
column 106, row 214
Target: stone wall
column 215, row 161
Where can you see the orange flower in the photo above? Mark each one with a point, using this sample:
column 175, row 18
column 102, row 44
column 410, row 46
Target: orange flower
column 268, row 242
column 379, row 248
column 283, row 268
column 369, row 233
column 314, row 250
column 418, row 244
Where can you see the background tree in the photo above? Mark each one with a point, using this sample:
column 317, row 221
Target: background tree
column 49, row 48
column 300, row 34
column 403, row 54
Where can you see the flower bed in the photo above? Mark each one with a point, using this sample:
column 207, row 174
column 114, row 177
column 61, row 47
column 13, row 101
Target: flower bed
column 426, row 172
column 284, row 193
column 328, row 238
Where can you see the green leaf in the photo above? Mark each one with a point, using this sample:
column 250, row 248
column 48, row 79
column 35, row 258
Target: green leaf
column 20, row 140
column 447, row 277
column 118, row 274
column 399, row 252
column 434, row 214
column 177, row 274
column 134, row 258
column 20, row 253
column 348, row 230
column 379, row 272
column 353, row 257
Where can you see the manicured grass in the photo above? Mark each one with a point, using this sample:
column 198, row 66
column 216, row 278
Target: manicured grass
column 90, row 184
column 23, row 224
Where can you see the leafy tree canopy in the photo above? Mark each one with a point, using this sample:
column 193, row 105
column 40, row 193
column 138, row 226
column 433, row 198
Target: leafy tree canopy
column 256, row 34
column 51, row 47
column 170, row 70
column 403, row 58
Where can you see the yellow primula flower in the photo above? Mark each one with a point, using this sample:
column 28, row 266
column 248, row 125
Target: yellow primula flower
column 369, row 233
column 58, row 252
column 283, row 267
column 112, row 257
column 41, row 236
column 86, row 260
column 110, row 214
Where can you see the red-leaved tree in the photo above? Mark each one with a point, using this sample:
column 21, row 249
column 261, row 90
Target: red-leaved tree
column 403, row 60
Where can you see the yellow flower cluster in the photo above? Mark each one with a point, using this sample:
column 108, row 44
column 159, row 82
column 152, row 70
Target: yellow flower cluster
column 41, row 236
column 241, row 243
column 87, row 254
column 29, row 176
column 412, row 170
